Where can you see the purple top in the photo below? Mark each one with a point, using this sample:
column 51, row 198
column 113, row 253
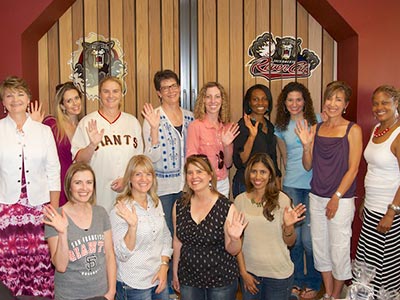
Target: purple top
column 330, row 163
column 64, row 153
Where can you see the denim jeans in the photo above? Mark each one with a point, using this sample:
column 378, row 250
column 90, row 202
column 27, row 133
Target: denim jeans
column 125, row 292
column 312, row 279
column 168, row 202
column 220, row 293
column 269, row 289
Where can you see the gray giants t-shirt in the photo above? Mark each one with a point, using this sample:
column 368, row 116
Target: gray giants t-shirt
column 86, row 274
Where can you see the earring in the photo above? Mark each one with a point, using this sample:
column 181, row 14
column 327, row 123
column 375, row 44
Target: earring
column 210, row 185
column 285, row 110
column 4, row 109
column 344, row 111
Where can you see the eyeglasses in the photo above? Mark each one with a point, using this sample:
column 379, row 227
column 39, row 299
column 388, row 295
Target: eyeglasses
column 220, row 158
column 171, row 87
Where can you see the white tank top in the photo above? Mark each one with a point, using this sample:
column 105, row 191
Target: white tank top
column 383, row 175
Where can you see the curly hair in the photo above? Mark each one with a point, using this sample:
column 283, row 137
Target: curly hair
column 200, row 108
column 270, row 198
column 14, row 83
column 201, row 161
column 138, row 161
column 389, row 90
column 283, row 115
column 247, row 98
column 72, row 170
column 61, row 116
column 336, row 86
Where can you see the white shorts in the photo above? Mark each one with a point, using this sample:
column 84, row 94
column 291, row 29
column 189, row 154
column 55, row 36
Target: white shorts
column 331, row 238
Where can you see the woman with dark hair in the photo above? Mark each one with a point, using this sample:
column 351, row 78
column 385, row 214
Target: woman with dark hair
column 80, row 241
column 378, row 245
column 29, row 178
column 333, row 150
column 295, row 104
column 142, row 241
column 265, row 267
column 207, row 236
column 211, row 132
column 256, row 133
column 67, row 112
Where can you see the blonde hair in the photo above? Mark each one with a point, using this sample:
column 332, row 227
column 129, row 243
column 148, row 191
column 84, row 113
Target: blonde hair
column 200, row 108
column 112, row 79
column 61, row 117
column 201, row 161
column 138, row 161
column 72, row 170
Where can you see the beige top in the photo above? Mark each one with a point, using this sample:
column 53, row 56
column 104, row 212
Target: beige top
column 265, row 253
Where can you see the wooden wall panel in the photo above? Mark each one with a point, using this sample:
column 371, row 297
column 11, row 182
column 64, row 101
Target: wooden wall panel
column 222, row 42
column 148, row 32
column 65, row 44
column 315, row 43
column 142, row 52
column 54, row 63
column 249, row 34
column 129, row 47
column 236, row 62
column 90, row 25
column 43, row 61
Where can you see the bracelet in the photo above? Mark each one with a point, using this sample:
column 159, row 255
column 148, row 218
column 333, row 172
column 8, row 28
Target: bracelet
column 339, row 194
column 395, row 208
column 165, row 263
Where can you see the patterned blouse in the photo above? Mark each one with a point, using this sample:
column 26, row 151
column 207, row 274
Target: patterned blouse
column 204, row 262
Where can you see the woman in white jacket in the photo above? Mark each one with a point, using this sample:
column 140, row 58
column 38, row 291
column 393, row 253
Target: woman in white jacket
column 29, row 178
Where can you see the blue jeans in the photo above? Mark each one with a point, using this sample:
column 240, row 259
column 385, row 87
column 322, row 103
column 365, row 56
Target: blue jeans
column 221, row 293
column 168, row 202
column 125, row 292
column 270, row 289
column 312, row 279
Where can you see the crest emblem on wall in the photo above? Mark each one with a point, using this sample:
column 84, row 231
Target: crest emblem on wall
column 96, row 58
column 280, row 58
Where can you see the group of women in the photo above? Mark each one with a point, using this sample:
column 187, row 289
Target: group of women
column 177, row 194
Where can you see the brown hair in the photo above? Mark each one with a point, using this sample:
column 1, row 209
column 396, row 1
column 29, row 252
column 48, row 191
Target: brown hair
column 336, row 86
column 14, row 83
column 72, row 170
column 163, row 75
column 200, row 108
column 201, row 161
column 283, row 115
column 270, row 199
column 134, row 163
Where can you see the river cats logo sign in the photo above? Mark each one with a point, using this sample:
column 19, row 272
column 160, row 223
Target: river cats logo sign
column 96, row 58
column 280, row 58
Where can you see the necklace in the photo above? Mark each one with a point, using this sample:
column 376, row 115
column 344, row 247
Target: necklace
column 258, row 204
column 383, row 132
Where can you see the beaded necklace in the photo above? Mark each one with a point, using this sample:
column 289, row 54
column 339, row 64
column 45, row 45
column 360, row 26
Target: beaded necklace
column 383, row 132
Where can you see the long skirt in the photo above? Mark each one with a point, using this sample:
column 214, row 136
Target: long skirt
column 25, row 266
column 381, row 251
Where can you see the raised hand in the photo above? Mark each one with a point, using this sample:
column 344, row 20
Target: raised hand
column 305, row 134
column 236, row 227
column 229, row 134
column 95, row 136
column 125, row 213
column 54, row 219
column 292, row 216
column 37, row 113
column 117, row 185
column 253, row 129
column 152, row 116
